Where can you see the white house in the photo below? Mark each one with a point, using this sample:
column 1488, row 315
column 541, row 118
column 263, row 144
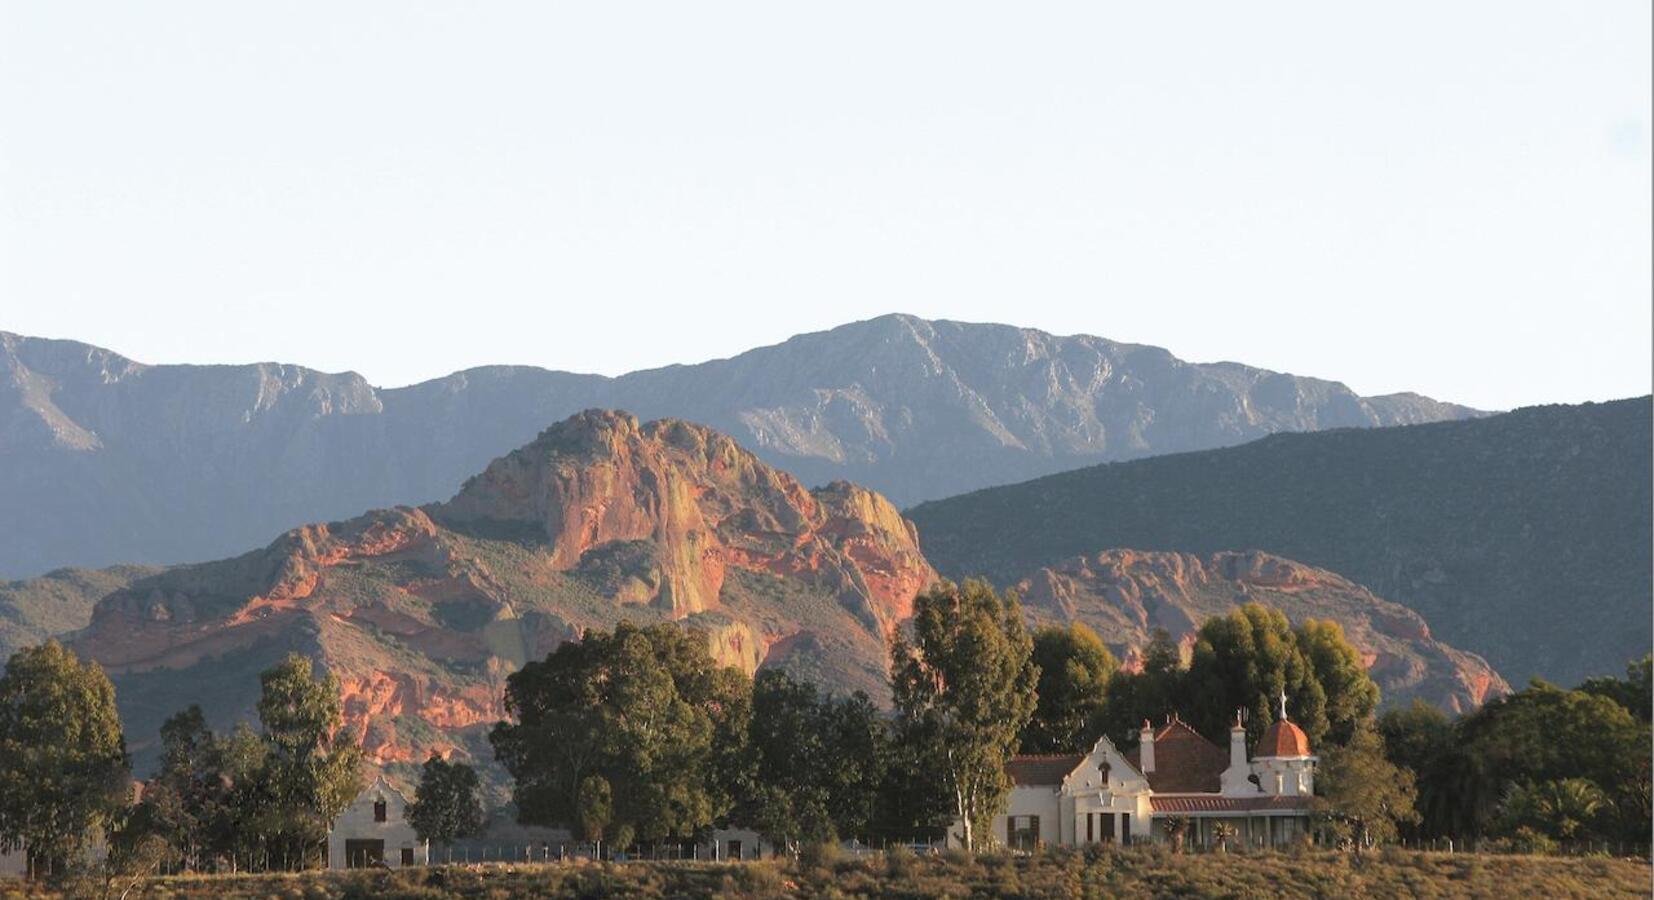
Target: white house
column 1174, row 773
column 374, row 830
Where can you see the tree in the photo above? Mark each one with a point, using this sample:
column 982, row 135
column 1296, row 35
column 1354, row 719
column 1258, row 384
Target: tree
column 1635, row 691
column 1562, row 809
column 1151, row 694
column 1074, row 670
column 644, row 708
column 594, row 809
column 311, row 772
column 1542, row 734
column 818, row 762
column 858, row 758
column 63, row 762
column 1420, row 739
column 1364, row 796
column 788, row 740
column 1351, row 695
column 962, row 677
column 445, row 804
column 1243, row 661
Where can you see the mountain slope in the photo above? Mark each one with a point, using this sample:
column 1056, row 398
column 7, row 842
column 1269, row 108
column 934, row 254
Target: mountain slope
column 422, row 612
column 1524, row 537
column 104, row 460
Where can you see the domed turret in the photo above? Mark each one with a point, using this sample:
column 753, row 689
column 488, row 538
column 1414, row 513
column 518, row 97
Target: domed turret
column 1283, row 740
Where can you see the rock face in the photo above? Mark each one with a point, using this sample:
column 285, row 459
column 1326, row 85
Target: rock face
column 1523, row 537
column 104, row 460
column 1124, row 594
column 422, row 612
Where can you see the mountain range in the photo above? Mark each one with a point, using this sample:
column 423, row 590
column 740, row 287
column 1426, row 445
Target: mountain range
column 421, row 612
column 1524, row 537
column 104, row 460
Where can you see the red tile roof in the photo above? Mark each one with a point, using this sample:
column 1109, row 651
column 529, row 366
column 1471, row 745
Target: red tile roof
column 1042, row 768
column 1282, row 738
column 1164, row 804
column 1184, row 762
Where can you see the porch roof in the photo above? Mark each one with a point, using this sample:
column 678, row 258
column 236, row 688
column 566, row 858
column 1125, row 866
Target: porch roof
column 1195, row 804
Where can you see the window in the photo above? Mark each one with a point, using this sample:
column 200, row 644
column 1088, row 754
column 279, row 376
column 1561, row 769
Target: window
column 379, row 810
column 1022, row 832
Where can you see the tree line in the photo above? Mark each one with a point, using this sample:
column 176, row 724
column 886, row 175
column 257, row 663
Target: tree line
column 635, row 736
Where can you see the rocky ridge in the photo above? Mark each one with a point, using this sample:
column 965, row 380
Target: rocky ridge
column 104, row 460
column 421, row 612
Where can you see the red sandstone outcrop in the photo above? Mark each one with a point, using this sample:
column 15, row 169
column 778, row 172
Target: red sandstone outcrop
column 421, row 613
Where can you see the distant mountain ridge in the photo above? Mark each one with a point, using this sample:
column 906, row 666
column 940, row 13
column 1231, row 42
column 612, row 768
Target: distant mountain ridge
column 104, row 460
column 1524, row 537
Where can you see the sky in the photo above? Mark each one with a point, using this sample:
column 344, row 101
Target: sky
column 1450, row 198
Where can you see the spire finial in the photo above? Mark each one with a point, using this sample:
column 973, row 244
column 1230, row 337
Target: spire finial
column 1283, row 704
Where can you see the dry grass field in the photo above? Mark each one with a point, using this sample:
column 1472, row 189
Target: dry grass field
column 1136, row 872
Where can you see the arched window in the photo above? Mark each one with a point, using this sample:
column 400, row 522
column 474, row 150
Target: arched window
column 379, row 810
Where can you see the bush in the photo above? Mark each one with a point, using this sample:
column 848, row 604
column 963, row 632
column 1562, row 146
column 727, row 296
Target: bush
column 819, row 855
column 899, row 861
column 1527, row 840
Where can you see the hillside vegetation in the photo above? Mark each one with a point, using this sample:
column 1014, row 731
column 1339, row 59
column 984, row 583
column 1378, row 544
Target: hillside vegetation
column 1523, row 537
column 1134, row 872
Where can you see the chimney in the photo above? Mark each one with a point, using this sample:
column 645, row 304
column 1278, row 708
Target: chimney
column 1237, row 744
column 1145, row 748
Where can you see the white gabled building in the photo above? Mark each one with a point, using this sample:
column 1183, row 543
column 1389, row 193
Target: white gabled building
column 374, row 830
column 1107, row 796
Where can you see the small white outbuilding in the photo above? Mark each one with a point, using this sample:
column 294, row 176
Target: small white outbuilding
column 374, row 831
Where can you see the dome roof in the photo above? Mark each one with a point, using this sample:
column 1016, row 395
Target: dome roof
column 1282, row 738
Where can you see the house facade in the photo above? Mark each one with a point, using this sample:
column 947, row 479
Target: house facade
column 374, row 831
column 1173, row 776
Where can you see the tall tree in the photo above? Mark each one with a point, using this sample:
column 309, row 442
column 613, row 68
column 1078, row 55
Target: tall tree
column 63, row 762
column 789, row 744
column 1544, row 733
column 962, row 676
column 819, row 761
column 1364, row 796
column 1074, row 670
column 1419, row 738
column 1152, row 693
column 1351, row 695
column 646, row 709
column 445, row 805
column 1635, row 691
column 1243, row 661
column 312, row 771
column 858, row 757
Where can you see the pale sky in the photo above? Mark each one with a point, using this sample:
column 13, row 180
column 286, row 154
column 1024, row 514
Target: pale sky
column 1452, row 198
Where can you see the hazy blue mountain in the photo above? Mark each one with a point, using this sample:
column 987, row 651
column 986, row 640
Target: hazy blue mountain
column 1523, row 537
column 105, row 460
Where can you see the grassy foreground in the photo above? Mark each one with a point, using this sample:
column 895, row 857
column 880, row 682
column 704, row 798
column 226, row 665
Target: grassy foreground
column 1136, row 872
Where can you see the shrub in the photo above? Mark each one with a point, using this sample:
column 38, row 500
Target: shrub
column 899, row 861
column 819, row 855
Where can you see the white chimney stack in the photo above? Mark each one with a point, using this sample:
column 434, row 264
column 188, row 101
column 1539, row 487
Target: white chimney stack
column 1145, row 747
column 1237, row 745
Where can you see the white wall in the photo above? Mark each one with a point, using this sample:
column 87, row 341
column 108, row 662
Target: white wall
column 357, row 823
